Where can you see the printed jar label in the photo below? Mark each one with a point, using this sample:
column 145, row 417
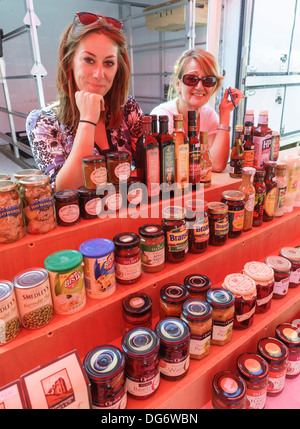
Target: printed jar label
column 295, row 276
column 41, row 204
column 256, row 399
column 222, row 227
column 12, row 210
column 281, row 287
column 128, row 268
column 99, row 276
column 236, row 220
column 122, row 171
column 245, row 316
column 119, row 405
column 276, row 381
column 153, row 256
column 142, row 387
column 200, row 344
column 293, row 364
column 69, row 214
column 265, row 300
column 99, row 176
column 177, row 239
column 94, row 207
column 201, row 231
column 221, row 331
column 175, row 367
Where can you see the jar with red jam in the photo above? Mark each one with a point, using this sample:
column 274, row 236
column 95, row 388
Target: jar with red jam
column 289, row 335
column 141, row 349
column 222, row 303
column 172, row 296
column 228, row 391
column 276, row 355
column 282, row 273
column 254, row 370
column 235, row 200
column 152, row 247
column 105, row 369
column 137, row 311
column 136, row 192
column 127, row 258
column 244, row 290
column 218, row 223
column 67, row 207
column 174, row 335
column 293, row 255
column 197, row 285
column 176, row 233
column 198, row 226
column 94, row 171
column 90, row 203
column 119, row 165
column 263, row 275
column 112, row 198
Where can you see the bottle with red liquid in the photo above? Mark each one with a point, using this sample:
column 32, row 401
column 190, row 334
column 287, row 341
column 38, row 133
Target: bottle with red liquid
column 270, row 181
column 167, row 154
column 262, row 140
column 194, row 145
column 260, row 193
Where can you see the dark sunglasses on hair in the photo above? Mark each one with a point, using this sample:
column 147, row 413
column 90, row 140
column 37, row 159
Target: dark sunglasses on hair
column 87, row 18
column 192, row 80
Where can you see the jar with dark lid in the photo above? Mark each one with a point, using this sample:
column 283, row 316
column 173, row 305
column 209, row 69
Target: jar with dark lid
column 94, row 171
column 289, row 335
column 105, row 368
column 9, row 313
column 198, row 226
column 198, row 315
column 152, row 247
column 197, row 285
column 254, row 370
column 141, row 349
column 127, row 257
column 235, row 200
column 67, row 207
column 228, row 391
column 176, row 234
column 172, row 296
column 293, row 255
column 174, row 335
column 90, row 203
column 222, row 303
column 263, row 275
column 136, row 192
column 12, row 226
column 137, row 311
column 276, row 354
column 218, row 223
column 118, row 164
column 282, row 272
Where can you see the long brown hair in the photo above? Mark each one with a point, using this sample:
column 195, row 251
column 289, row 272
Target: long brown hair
column 68, row 112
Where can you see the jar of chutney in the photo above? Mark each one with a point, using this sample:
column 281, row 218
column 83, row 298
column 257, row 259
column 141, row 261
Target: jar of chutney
column 127, row 258
column 288, row 334
column 197, row 285
column 222, row 303
column 198, row 226
column 263, row 275
column 118, row 164
column 293, row 255
column 176, row 233
column 235, row 200
column 218, row 223
column 67, row 207
column 90, row 203
column 172, row 296
column 94, row 171
column 228, row 391
column 137, row 311
column 282, row 273
column 152, row 247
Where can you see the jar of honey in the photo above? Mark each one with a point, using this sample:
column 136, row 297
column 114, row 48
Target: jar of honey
column 293, row 255
column 222, row 303
column 141, row 349
column 228, row 391
column 235, row 200
column 152, row 248
column 90, row 203
column 289, row 335
column 254, row 370
column 172, row 296
column 67, row 207
column 198, row 315
column 197, row 285
column 198, row 226
column 94, row 171
column 263, row 275
column 137, row 311
column 276, row 354
column 127, row 258
column 218, row 223
column 118, row 164
column 176, row 234
column 282, row 273
column 174, row 335
column 12, row 226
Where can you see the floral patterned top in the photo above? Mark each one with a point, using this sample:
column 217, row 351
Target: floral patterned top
column 51, row 142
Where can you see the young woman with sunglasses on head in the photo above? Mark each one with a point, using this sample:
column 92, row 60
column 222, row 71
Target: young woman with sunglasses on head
column 194, row 81
column 94, row 114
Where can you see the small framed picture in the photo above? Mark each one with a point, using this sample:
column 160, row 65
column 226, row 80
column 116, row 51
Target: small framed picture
column 12, row 397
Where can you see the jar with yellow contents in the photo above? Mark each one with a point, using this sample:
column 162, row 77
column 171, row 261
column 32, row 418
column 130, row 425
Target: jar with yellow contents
column 222, row 303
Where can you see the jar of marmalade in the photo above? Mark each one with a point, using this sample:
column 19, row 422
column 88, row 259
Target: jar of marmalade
column 282, row 273
column 152, row 247
column 254, row 370
column 197, row 285
column 218, row 223
column 118, row 164
column 293, row 255
column 289, row 335
column 222, row 303
column 67, row 207
column 276, row 354
column 198, row 315
column 90, row 203
column 141, row 349
column 137, row 311
column 12, row 226
column 172, row 296
column 263, row 275
column 235, row 200
column 198, row 227
column 94, row 171
column 127, row 258
column 105, row 369
column 174, row 335
column 228, row 391
column 176, row 234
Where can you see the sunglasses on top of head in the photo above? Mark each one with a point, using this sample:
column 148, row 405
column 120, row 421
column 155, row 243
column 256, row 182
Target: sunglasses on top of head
column 87, row 18
column 192, row 80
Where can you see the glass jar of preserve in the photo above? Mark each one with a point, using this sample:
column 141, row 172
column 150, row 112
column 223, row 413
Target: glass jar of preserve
column 289, row 335
column 172, row 296
column 276, row 355
column 90, row 203
column 105, row 369
column 293, row 255
column 5, row 177
column 136, row 192
column 12, row 226
column 270, row 181
column 197, row 285
column 228, row 391
column 254, row 370
column 67, row 207
column 141, row 349
column 263, row 275
column 244, row 290
column 174, row 335
column 94, row 171
column 282, row 272
column 176, row 234
column 235, row 200
column 38, row 204
column 9, row 313
column 18, row 175
column 198, row 226
column 260, row 194
column 118, row 164
column 198, row 315
column 152, row 247
column 127, row 257
column 222, row 303
column 137, row 311
column 218, row 223
column 112, row 197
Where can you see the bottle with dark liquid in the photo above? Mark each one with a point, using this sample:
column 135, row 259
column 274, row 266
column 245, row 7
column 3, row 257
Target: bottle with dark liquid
column 154, row 125
column 205, row 160
column 194, row 146
column 237, row 154
column 248, row 145
column 260, row 193
column 167, row 154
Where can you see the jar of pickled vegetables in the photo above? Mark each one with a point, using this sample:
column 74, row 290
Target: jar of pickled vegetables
column 26, row 172
column 172, row 296
column 222, row 303
column 263, row 275
column 12, row 226
column 289, row 335
column 94, row 171
column 228, row 391
column 176, row 234
column 293, row 255
column 197, row 285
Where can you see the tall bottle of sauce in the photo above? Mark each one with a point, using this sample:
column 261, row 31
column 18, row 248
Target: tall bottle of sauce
column 249, row 191
column 260, row 194
column 181, row 153
column 270, row 181
column 237, row 154
column 194, row 145
column 262, row 140
column 248, row 145
column 167, row 154
column 281, row 184
column 205, row 160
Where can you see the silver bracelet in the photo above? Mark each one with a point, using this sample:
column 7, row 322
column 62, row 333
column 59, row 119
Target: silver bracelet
column 224, row 127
